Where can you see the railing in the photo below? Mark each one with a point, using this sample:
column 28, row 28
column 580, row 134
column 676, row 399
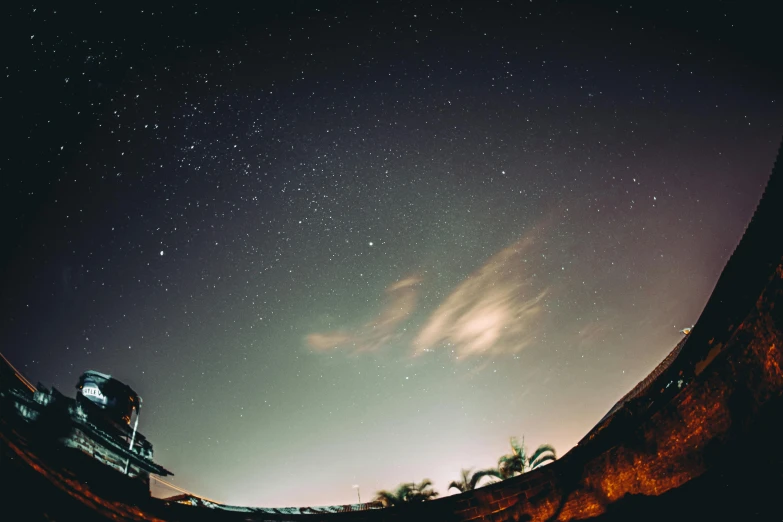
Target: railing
column 18, row 374
column 190, row 498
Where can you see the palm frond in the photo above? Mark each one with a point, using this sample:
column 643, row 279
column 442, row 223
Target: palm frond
column 516, row 447
column 492, row 472
column 541, row 460
column 459, row 485
column 423, row 484
column 477, row 476
column 407, row 492
column 508, row 460
column 463, row 484
column 505, row 470
column 511, row 464
column 404, row 491
column 544, row 448
column 424, row 491
column 386, row 498
column 544, row 453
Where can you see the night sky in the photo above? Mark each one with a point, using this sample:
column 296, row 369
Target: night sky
column 365, row 243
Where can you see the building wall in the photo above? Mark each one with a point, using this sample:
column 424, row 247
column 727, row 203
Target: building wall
column 79, row 440
column 677, row 444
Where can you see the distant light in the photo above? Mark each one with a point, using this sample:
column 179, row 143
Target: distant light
column 161, row 252
column 370, row 243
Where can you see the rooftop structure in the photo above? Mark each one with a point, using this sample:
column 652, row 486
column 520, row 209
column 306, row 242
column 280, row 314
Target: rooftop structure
column 96, row 423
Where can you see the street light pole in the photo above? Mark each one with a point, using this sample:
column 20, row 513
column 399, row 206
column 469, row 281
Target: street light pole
column 358, row 493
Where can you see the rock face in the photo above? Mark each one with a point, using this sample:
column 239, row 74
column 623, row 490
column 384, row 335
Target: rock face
column 698, row 440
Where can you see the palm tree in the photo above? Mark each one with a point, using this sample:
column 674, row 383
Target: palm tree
column 517, row 462
column 543, row 454
column 393, row 498
column 469, row 482
column 422, row 492
column 407, row 492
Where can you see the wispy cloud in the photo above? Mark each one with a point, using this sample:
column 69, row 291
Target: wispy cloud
column 493, row 311
column 402, row 298
column 594, row 333
column 496, row 310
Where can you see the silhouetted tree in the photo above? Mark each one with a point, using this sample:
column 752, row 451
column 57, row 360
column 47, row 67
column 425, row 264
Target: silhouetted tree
column 517, row 462
column 407, row 492
column 469, row 481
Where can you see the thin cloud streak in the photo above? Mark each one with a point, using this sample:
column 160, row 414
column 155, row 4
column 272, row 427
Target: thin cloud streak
column 402, row 299
column 493, row 311
column 496, row 310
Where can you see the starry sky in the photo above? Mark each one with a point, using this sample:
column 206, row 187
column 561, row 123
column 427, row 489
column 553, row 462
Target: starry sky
column 338, row 243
